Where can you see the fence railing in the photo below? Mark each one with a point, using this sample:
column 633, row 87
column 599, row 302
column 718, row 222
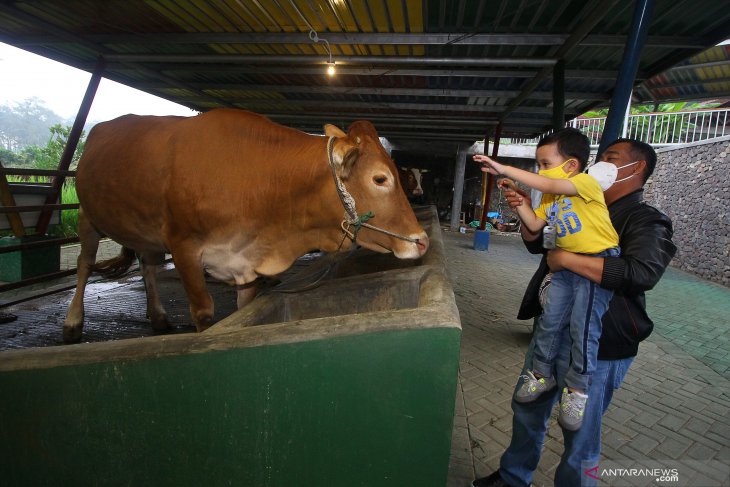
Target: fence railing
column 663, row 129
column 658, row 129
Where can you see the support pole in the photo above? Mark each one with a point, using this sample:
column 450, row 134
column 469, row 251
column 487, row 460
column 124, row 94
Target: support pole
column 458, row 187
column 7, row 199
column 559, row 95
column 485, row 183
column 629, row 65
column 73, row 141
column 490, row 178
column 627, row 116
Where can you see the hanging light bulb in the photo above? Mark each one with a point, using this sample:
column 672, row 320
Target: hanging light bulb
column 314, row 37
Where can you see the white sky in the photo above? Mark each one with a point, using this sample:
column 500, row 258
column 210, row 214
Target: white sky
column 61, row 88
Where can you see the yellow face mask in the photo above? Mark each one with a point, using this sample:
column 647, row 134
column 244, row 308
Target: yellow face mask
column 556, row 172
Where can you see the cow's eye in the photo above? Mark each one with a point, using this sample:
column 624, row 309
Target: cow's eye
column 380, row 180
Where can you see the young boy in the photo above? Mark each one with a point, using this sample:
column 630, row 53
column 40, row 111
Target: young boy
column 573, row 208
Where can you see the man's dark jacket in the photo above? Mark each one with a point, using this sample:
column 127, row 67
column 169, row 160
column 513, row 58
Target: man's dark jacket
column 645, row 238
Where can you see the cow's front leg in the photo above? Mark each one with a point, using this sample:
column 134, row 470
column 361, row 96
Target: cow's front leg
column 188, row 264
column 245, row 294
column 89, row 238
column 155, row 311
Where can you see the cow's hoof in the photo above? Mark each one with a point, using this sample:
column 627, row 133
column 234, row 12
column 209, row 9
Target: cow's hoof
column 160, row 323
column 203, row 324
column 72, row 333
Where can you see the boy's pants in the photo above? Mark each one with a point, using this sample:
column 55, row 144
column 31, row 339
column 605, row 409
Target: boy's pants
column 576, row 302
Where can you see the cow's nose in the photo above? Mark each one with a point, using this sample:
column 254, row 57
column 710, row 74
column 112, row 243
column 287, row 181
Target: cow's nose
column 422, row 244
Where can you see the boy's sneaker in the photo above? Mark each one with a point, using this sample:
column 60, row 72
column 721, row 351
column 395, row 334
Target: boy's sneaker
column 572, row 407
column 532, row 387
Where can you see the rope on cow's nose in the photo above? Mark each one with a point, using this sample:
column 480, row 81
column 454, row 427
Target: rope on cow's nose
column 358, row 223
column 363, row 218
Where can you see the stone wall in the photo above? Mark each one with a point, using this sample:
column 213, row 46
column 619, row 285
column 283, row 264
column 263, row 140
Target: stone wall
column 691, row 184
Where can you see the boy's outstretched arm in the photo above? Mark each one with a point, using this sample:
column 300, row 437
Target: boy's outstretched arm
column 535, row 181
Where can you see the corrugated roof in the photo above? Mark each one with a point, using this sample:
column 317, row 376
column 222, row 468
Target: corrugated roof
column 703, row 76
column 419, row 69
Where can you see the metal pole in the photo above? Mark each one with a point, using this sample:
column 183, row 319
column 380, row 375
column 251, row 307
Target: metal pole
column 559, row 95
column 490, row 177
column 71, row 144
column 629, row 65
column 626, row 116
column 485, row 182
column 458, row 187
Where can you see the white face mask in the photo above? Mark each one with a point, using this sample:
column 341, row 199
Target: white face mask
column 606, row 173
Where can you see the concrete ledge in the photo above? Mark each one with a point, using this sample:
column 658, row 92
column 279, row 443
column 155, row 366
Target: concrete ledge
column 352, row 380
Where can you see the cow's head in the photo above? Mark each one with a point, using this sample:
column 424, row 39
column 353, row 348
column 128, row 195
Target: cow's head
column 411, row 179
column 371, row 177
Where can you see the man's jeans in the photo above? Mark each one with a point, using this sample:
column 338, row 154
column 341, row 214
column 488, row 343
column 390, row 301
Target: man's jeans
column 579, row 304
column 582, row 447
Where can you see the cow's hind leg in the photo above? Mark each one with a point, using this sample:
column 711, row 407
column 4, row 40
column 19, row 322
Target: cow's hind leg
column 149, row 262
column 191, row 272
column 89, row 237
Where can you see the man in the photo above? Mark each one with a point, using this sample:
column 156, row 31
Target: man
column 646, row 250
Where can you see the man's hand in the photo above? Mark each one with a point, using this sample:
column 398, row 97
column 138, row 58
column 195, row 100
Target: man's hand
column 488, row 165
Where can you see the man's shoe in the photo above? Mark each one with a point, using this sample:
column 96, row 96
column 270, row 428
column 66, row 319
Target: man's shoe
column 493, row 480
column 572, row 407
column 532, row 387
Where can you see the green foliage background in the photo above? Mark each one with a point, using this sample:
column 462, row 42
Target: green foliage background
column 18, row 126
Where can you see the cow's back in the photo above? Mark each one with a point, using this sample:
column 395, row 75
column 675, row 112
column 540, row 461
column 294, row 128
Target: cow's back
column 143, row 178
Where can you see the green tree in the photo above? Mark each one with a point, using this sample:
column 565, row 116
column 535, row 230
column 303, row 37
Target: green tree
column 49, row 156
column 10, row 158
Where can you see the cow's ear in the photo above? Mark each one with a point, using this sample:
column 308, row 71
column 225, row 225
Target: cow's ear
column 344, row 156
column 333, row 131
column 349, row 160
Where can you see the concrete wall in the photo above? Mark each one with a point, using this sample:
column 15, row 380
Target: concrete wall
column 691, row 184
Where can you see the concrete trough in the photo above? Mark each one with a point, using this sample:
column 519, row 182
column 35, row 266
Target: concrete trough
column 350, row 383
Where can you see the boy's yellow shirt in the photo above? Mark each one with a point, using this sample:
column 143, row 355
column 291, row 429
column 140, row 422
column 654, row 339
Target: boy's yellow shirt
column 582, row 223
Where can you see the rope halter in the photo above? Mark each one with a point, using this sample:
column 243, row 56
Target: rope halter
column 351, row 219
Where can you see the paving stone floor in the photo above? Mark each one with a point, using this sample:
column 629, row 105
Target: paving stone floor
column 673, row 408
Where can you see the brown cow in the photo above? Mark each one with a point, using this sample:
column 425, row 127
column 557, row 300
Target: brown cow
column 411, row 180
column 234, row 194
column 408, row 180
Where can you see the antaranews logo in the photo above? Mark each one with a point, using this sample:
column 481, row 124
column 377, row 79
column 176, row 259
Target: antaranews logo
column 592, row 472
column 649, row 472
column 657, row 474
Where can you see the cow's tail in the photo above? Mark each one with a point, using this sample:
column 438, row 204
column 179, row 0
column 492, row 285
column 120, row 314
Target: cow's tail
column 116, row 266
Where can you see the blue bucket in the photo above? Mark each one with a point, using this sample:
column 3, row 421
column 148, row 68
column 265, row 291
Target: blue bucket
column 481, row 240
